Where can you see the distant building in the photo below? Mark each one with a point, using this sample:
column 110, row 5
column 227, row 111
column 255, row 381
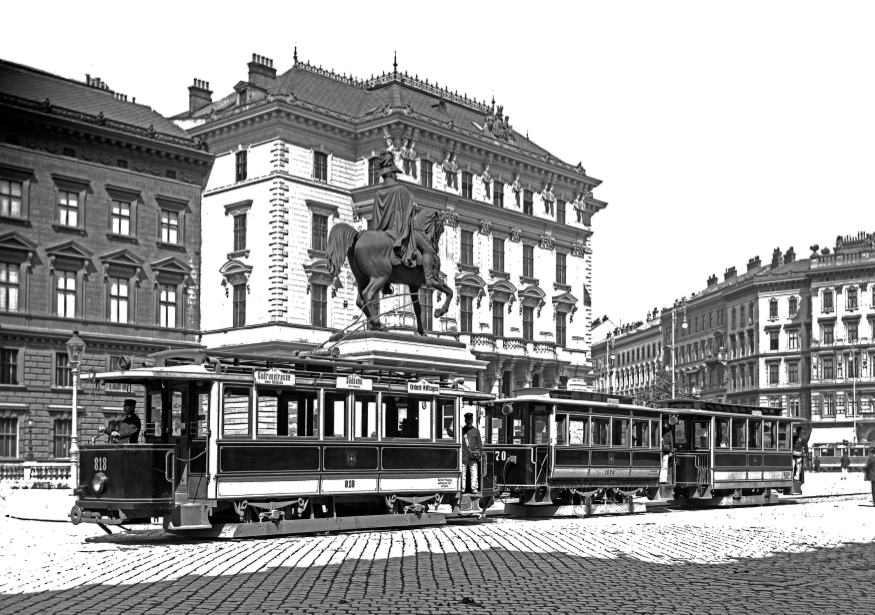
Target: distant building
column 794, row 333
column 296, row 154
column 627, row 359
column 99, row 232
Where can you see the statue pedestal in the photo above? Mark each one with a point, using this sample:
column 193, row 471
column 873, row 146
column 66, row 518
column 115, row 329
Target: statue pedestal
column 413, row 352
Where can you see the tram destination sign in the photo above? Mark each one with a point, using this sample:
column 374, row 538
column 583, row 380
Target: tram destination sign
column 274, row 377
column 423, row 387
column 355, row 382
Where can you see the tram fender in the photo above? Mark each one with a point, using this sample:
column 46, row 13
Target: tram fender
column 188, row 516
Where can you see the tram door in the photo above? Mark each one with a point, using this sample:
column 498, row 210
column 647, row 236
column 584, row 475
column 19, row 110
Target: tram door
column 685, row 462
column 184, row 422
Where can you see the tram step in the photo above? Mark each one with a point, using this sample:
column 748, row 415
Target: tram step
column 309, row 526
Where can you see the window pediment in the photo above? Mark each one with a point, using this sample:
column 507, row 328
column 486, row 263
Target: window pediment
column 15, row 172
column 69, row 256
column 121, row 193
column 122, row 263
column 68, row 182
column 238, row 208
column 172, row 270
column 171, row 203
column 470, row 284
column 324, row 209
column 317, row 273
column 17, row 242
column 501, row 291
column 532, row 296
column 233, row 273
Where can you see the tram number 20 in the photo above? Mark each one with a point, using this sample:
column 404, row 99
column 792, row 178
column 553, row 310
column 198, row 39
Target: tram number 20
column 500, row 455
column 99, row 464
column 349, row 484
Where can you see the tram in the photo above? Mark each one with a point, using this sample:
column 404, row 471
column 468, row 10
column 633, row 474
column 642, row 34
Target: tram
column 581, row 453
column 830, row 455
column 241, row 445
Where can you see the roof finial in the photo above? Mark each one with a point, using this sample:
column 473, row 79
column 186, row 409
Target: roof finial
column 395, row 63
column 296, row 53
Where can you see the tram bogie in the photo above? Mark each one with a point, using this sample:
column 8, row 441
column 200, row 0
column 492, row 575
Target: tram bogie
column 245, row 446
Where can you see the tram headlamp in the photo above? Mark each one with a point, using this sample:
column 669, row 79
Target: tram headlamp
column 98, row 483
column 124, row 363
column 507, row 409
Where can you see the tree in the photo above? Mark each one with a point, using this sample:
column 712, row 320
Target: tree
column 659, row 389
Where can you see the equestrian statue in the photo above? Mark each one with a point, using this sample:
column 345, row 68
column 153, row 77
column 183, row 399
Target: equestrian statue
column 402, row 248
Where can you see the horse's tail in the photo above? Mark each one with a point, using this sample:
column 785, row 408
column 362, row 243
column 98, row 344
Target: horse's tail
column 340, row 240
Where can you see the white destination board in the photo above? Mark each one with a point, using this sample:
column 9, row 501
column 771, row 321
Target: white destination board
column 355, row 383
column 423, row 387
column 274, row 377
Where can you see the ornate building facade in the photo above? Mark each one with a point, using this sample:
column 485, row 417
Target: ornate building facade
column 100, row 233
column 626, row 360
column 794, row 333
column 296, row 153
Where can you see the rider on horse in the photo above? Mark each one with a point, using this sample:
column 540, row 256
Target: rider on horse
column 395, row 214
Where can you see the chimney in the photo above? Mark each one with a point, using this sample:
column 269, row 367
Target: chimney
column 777, row 259
column 730, row 273
column 199, row 95
column 754, row 263
column 262, row 74
column 789, row 255
column 712, row 281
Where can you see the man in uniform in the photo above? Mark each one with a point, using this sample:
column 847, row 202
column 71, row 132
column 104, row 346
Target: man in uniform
column 129, row 426
column 869, row 470
column 667, row 449
column 798, row 456
column 472, row 447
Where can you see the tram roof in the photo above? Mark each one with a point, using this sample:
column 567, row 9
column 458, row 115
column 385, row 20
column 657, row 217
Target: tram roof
column 679, row 406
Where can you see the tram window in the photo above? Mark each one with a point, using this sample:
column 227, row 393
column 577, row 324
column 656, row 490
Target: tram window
column 680, row 432
column 561, row 421
column 235, row 411
column 335, row 415
column 578, row 432
column 266, row 410
column 722, row 438
column 444, row 412
column 770, row 435
column 739, row 433
column 153, row 422
column 828, row 452
column 203, row 412
column 365, row 426
column 755, row 434
column 601, row 430
column 641, row 434
column 784, row 436
column 857, row 451
column 539, row 427
column 655, row 435
column 700, row 434
column 496, row 430
column 620, row 432
column 406, row 417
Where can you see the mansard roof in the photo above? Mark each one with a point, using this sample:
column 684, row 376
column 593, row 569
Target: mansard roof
column 36, row 86
column 357, row 101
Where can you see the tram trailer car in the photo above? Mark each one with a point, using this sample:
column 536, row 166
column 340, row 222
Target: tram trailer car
column 582, row 453
column 729, row 454
column 830, row 455
column 241, row 445
column 570, row 452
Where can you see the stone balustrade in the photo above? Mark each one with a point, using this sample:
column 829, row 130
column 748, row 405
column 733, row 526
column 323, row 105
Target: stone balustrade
column 30, row 472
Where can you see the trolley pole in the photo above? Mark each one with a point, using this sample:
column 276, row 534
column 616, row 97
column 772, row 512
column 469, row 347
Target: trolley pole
column 854, row 388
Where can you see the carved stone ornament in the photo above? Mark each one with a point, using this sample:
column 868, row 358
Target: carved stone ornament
column 517, row 187
column 451, row 168
column 515, row 234
column 497, row 126
column 579, row 248
column 485, row 225
column 549, row 198
column 356, row 213
column 409, row 157
column 451, row 217
column 486, row 178
column 547, row 240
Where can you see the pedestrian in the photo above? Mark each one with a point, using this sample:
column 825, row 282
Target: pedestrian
column 817, row 464
column 130, row 425
column 667, row 451
column 472, row 447
column 845, row 464
column 870, row 471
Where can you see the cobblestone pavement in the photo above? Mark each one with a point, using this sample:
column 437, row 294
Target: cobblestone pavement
column 811, row 557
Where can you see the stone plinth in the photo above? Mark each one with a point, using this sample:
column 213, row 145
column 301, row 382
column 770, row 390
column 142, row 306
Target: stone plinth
column 412, row 352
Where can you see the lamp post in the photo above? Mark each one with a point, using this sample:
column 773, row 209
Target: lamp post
column 678, row 303
column 854, row 386
column 75, row 352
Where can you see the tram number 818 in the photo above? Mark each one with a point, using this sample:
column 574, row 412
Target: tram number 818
column 349, row 484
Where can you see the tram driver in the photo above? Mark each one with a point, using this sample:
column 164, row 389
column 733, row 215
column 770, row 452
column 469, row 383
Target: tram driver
column 129, row 427
column 667, row 450
column 472, row 447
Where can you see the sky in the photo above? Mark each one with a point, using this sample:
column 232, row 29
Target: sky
column 721, row 130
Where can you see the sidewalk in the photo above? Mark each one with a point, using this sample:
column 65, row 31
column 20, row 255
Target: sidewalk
column 36, row 504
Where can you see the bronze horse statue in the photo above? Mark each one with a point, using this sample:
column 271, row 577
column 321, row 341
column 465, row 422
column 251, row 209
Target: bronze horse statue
column 374, row 265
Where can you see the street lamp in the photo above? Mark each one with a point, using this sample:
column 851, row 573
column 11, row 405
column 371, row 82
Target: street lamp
column 681, row 303
column 75, row 352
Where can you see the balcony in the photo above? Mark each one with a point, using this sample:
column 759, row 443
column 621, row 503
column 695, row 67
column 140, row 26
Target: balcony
column 484, row 342
column 545, row 348
column 512, row 345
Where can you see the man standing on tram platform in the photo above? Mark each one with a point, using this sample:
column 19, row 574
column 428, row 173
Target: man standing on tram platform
column 869, row 470
column 667, row 450
column 472, row 447
column 798, row 456
column 130, row 425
